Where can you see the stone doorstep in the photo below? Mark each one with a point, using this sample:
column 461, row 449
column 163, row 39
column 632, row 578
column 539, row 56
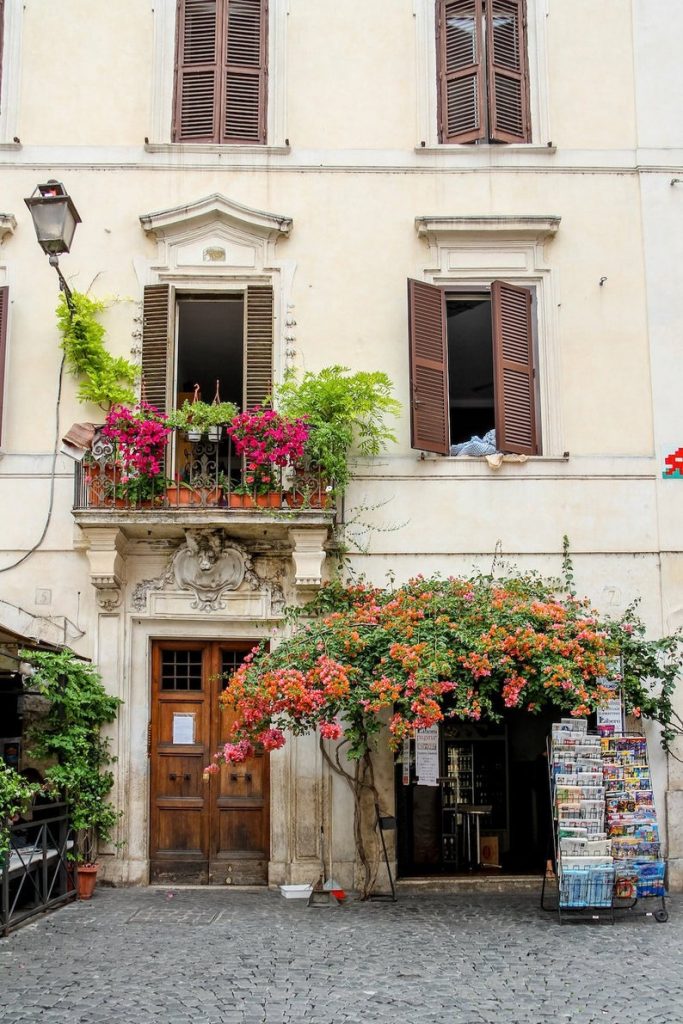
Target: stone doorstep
column 471, row 883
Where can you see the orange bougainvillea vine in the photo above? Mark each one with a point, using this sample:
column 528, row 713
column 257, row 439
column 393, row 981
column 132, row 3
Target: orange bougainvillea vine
column 443, row 648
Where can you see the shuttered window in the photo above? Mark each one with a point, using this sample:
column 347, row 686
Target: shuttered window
column 258, row 345
column 2, row 33
column 483, row 88
column 221, row 71
column 155, row 344
column 514, row 382
column 4, row 314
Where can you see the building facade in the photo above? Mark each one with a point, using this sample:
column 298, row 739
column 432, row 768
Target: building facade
column 427, row 187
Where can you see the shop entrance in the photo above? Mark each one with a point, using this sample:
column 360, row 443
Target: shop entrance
column 502, row 766
column 213, row 832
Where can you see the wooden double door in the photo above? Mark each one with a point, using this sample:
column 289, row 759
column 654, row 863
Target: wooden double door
column 208, row 832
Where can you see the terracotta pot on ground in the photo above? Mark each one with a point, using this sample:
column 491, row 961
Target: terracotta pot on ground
column 86, row 879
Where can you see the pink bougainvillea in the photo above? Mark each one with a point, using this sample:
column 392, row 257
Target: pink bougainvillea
column 140, row 436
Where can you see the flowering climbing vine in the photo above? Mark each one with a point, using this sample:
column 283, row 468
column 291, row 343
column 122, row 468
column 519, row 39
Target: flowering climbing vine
column 365, row 660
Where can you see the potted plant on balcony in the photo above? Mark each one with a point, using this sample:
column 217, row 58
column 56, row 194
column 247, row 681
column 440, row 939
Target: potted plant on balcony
column 139, row 435
column 178, row 492
column 197, row 418
column 69, row 735
column 345, row 412
column 269, row 443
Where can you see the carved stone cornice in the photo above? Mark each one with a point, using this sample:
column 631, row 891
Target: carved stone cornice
column 107, row 565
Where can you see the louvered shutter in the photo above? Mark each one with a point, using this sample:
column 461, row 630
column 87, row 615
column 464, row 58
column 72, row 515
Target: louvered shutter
column 460, row 70
column 2, row 34
column 198, row 71
column 258, row 382
column 245, row 72
column 155, row 344
column 515, row 391
column 429, row 408
column 4, row 314
column 508, row 89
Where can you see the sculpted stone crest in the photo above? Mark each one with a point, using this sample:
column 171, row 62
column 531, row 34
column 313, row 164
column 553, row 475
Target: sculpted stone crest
column 207, row 565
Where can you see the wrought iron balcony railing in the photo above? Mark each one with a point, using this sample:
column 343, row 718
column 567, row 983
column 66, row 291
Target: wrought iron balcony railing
column 195, row 475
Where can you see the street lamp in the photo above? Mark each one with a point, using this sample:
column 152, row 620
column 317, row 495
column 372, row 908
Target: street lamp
column 55, row 218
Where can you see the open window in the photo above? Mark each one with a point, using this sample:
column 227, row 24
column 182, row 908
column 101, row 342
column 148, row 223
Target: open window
column 225, row 336
column 472, row 367
column 482, row 71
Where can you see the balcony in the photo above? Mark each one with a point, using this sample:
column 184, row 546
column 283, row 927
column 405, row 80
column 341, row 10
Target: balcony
column 199, row 488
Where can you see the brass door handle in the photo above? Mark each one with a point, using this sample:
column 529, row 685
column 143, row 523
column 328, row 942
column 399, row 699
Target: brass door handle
column 172, row 776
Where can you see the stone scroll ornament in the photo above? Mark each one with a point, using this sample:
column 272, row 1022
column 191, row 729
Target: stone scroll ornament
column 208, row 566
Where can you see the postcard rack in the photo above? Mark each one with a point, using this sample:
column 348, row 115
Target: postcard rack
column 605, row 834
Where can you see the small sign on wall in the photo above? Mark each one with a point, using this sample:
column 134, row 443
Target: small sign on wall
column 427, row 756
column 183, row 728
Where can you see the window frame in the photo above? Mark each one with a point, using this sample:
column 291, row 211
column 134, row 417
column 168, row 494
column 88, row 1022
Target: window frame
column 427, row 107
column 469, row 253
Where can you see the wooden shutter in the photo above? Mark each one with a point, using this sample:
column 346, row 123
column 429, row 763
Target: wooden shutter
column 258, row 382
column 429, row 408
column 245, row 72
column 460, row 70
column 2, row 36
column 4, row 314
column 515, row 390
column 507, row 64
column 198, row 71
column 155, row 343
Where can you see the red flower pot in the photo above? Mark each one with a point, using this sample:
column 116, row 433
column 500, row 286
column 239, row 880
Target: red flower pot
column 86, row 879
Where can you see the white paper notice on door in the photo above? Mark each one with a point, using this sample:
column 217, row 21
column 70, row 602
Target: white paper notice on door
column 183, row 728
column 427, row 756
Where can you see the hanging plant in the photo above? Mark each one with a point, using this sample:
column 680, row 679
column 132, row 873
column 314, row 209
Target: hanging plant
column 106, row 379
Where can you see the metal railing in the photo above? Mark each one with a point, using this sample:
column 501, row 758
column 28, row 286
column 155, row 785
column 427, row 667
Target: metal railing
column 35, row 872
column 195, row 475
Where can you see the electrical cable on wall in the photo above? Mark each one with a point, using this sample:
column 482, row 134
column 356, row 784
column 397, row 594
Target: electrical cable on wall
column 31, row 551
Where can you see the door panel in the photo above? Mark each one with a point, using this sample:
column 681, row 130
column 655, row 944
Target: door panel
column 240, row 826
column 216, row 831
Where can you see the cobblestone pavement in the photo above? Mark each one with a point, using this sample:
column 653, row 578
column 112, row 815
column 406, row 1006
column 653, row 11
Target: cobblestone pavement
column 147, row 956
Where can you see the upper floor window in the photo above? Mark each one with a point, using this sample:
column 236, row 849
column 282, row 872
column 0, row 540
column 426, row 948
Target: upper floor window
column 472, row 367
column 221, row 72
column 482, row 71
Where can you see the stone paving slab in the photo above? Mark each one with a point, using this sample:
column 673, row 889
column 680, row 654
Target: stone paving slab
column 220, row 956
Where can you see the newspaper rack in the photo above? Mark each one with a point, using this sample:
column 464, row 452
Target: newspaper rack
column 605, row 846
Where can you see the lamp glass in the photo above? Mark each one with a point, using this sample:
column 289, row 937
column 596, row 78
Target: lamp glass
column 54, row 223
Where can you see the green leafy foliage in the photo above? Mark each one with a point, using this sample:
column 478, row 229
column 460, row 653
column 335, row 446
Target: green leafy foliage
column 345, row 412
column 70, row 735
column 15, row 796
column 107, row 380
column 202, row 415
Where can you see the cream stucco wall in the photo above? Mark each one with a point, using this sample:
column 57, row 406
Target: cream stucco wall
column 353, row 179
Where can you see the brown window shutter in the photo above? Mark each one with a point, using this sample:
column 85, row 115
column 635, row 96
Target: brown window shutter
column 246, row 66
column 460, row 70
column 429, row 409
column 508, row 81
column 197, row 75
column 155, row 342
column 4, row 314
column 258, row 382
column 515, row 392
column 2, row 38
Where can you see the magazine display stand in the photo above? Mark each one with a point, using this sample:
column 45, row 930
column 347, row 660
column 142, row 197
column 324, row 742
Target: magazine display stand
column 584, row 868
column 605, row 833
column 632, row 823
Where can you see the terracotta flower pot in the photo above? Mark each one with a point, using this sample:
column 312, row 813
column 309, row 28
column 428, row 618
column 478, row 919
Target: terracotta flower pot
column 183, row 496
column 86, row 879
column 270, row 500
